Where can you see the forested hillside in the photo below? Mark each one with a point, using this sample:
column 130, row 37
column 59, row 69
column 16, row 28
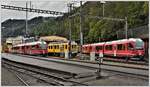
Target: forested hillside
column 16, row 27
column 93, row 29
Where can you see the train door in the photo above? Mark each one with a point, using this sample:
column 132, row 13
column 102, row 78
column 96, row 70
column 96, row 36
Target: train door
column 108, row 50
column 121, row 52
column 61, row 48
column 130, row 49
column 23, row 49
column 115, row 50
column 90, row 49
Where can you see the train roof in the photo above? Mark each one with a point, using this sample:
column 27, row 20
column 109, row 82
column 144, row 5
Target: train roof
column 72, row 42
column 30, row 43
column 53, row 38
column 124, row 40
column 117, row 41
column 101, row 43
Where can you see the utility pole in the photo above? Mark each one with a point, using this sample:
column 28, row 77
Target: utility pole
column 12, row 32
column 26, row 31
column 70, row 7
column 81, row 34
column 126, row 28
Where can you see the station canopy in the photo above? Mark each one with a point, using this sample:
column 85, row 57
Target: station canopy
column 53, row 39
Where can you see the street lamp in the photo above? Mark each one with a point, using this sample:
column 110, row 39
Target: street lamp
column 103, row 2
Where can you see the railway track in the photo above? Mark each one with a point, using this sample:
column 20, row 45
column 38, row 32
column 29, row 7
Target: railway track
column 41, row 74
column 131, row 72
column 19, row 77
column 136, row 62
column 107, row 62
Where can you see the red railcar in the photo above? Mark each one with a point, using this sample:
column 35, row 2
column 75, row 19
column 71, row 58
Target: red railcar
column 32, row 48
column 86, row 48
column 129, row 48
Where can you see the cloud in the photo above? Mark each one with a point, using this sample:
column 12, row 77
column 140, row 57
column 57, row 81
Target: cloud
column 60, row 6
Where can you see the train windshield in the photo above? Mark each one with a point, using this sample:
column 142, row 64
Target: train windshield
column 139, row 44
column 43, row 46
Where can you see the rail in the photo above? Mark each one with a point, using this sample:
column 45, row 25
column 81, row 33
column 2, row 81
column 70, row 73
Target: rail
column 59, row 80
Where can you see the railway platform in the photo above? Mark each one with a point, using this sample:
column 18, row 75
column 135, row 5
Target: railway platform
column 74, row 67
column 75, row 70
column 79, row 68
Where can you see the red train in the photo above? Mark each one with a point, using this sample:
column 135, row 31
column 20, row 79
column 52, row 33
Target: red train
column 32, row 48
column 127, row 48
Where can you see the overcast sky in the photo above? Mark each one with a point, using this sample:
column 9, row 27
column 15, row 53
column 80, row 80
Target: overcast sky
column 60, row 6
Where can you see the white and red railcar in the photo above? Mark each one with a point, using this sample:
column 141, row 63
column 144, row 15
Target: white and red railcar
column 32, row 48
column 133, row 47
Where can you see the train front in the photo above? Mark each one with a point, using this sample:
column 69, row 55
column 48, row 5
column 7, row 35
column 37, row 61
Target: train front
column 139, row 49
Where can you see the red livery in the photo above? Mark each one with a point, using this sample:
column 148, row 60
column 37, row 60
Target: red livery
column 32, row 48
column 129, row 48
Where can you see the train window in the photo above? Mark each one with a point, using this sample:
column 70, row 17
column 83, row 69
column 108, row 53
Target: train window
column 33, row 47
column 57, row 46
column 120, row 47
column 86, row 48
column 108, row 47
column 130, row 46
column 98, row 48
column 123, row 47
